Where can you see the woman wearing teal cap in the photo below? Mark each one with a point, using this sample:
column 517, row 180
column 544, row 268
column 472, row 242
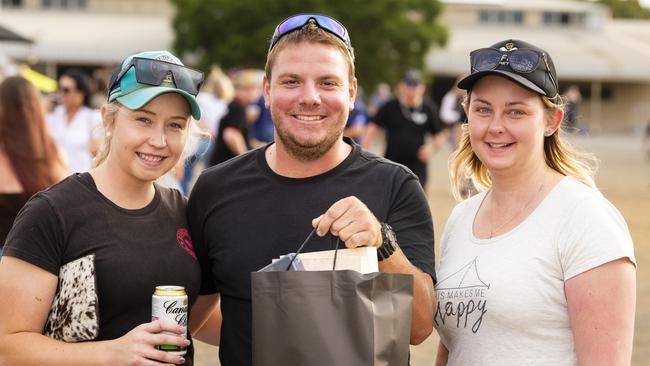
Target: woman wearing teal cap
column 94, row 247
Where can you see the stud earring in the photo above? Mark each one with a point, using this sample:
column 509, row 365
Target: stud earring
column 109, row 134
column 548, row 132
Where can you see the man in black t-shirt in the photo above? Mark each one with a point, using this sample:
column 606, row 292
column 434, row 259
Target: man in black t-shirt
column 232, row 135
column 406, row 121
column 260, row 205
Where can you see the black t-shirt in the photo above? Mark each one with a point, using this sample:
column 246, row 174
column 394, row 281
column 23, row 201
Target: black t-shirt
column 10, row 204
column 242, row 215
column 236, row 118
column 135, row 250
column 405, row 128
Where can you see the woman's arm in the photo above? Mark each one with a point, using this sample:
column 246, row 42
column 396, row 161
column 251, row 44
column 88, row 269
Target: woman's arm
column 601, row 304
column 205, row 321
column 27, row 294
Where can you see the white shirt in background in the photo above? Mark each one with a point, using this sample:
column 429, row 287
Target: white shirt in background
column 75, row 139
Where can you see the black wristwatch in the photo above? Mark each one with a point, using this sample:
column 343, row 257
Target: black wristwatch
column 389, row 242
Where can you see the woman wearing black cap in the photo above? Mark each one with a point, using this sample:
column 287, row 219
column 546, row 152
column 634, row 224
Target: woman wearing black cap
column 539, row 268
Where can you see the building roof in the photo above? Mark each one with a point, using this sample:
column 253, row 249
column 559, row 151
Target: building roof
column 9, row 36
column 86, row 37
column 555, row 5
column 620, row 51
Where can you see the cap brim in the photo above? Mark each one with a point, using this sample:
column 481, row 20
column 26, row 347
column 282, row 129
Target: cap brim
column 411, row 83
column 469, row 81
column 138, row 98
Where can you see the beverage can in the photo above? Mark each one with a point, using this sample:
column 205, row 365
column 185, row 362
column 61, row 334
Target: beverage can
column 170, row 302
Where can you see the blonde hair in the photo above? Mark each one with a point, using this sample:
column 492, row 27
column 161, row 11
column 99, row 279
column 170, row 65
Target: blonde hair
column 109, row 120
column 558, row 154
column 310, row 33
column 220, row 85
column 105, row 146
column 247, row 78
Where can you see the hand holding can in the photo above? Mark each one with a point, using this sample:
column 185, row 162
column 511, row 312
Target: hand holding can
column 170, row 303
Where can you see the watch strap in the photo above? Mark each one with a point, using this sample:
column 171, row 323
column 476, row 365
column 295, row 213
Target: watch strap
column 389, row 242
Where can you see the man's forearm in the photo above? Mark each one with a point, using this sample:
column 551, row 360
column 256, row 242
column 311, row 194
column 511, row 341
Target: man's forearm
column 423, row 294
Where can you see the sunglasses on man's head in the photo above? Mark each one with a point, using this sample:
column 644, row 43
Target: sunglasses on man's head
column 322, row 21
column 522, row 61
column 155, row 72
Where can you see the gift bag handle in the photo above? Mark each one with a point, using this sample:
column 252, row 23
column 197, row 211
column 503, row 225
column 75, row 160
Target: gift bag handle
column 313, row 231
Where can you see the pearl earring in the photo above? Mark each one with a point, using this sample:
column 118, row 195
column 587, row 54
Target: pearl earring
column 548, row 132
column 109, row 134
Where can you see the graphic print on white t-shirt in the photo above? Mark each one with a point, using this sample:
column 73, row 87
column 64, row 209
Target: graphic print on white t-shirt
column 461, row 298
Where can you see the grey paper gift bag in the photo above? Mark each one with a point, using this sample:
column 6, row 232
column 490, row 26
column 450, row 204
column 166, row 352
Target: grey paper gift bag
column 333, row 318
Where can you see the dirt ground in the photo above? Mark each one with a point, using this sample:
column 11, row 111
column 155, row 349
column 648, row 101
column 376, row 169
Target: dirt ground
column 624, row 178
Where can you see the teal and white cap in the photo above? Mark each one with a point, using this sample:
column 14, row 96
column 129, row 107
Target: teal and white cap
column 126, row 89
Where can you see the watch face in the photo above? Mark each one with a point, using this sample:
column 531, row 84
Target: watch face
column 390, row 234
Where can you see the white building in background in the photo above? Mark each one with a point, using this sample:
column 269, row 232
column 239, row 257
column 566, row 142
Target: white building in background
column 609, row 59
column 93, row 34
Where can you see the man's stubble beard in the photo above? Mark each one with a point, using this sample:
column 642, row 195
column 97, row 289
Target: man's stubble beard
column 306, row 152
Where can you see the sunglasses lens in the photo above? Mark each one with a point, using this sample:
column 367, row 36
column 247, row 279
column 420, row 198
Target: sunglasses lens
column 155, row 72
column 188, row 79
column 292, row 23
column 524, row 60
column 486, row 59
column 331, row 25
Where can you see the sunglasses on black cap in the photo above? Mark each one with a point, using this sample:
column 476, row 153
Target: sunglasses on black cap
column 323, row 21
column 522, row 61
column 155, row 72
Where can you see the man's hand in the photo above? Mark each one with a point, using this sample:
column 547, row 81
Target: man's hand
column 350, row 220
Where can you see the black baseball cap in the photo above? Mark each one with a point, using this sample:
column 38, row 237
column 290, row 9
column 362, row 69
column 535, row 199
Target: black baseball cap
column 412, row 77
column 519, row 61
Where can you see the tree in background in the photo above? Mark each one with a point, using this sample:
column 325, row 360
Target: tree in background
column 389, row 36
column 626, row 8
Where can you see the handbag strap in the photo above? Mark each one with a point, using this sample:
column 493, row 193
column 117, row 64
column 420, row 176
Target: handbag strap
column 313, row 231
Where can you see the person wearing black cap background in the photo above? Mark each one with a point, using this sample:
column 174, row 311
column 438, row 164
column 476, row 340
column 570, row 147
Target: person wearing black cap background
column 407, row 120
column 538, row 268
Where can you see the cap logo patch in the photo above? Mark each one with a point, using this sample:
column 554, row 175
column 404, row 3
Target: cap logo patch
column 508, row 49
column 169, row 58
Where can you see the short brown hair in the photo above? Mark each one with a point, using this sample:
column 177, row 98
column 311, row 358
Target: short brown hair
column 310, row 33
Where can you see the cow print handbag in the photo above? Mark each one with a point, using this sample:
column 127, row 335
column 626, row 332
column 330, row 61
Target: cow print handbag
column 74, row 313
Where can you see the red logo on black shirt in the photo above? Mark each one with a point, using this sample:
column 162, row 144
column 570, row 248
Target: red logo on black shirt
column 184, row 240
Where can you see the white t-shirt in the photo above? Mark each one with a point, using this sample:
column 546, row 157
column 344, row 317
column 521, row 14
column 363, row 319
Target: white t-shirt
column 501, row 301
column 212, row 110
column 75, row 138
column 448, row 112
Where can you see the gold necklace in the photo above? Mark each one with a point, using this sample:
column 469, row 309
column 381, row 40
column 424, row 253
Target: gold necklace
column 494, row 230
